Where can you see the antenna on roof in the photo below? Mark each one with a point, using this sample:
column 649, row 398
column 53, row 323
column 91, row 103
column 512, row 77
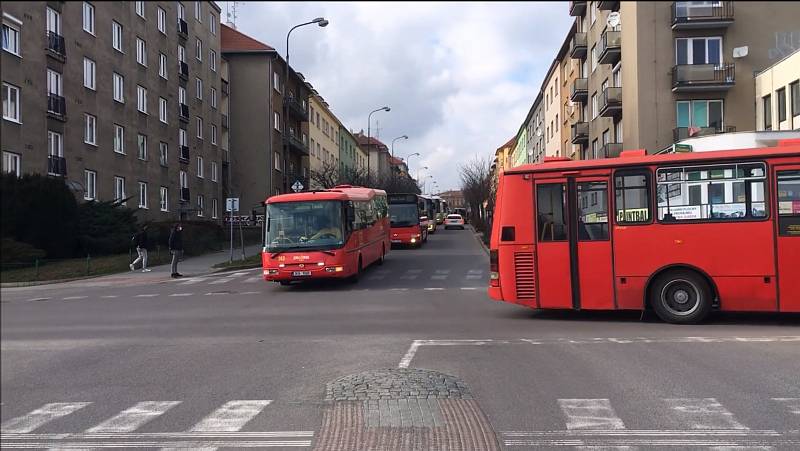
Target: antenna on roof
column 231, row 13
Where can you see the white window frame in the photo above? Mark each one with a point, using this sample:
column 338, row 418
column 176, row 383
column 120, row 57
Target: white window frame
column 183, row 138
column 163, row 153
column 690, row 48
column 55, row 144
column 214, row 208
column 55, row 82
column 162, row 110
column 141, row 146
column 117, row 36
column 119, row 189
column 90, row 129
column 119, row 87
column 198, row 11
column 181, row 95
column 13, row 24
column 88, row 18
column 183, row 179
column 11, row 111
column 143, row 195
column 139, row 9
column 90, row 180
column 181, row 53
column 201, row 205
column 198, row 49
column 119, row 139
column 276, row 81
column 162, row 20
column 200, row 168
column 163, row 198
column 53, row 20
column 277, row 161
column 162, row 66
column 212, row 58
column 12, row 163
column 141, row 99
column 89, row 73
column 198, row 87
column 181, row 11
column 213, row 97
column 594, row 106
column 199, row 124
column 213, row 134
column 141, row 51
column 593, row 61
column 214, row 172
column 277, row 119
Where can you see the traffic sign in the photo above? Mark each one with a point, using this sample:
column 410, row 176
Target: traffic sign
column 232, row 204
column 297, row 186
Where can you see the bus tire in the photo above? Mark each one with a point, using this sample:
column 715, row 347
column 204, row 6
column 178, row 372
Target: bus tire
column 285, row 283
column 354, row 278
column 681, row 297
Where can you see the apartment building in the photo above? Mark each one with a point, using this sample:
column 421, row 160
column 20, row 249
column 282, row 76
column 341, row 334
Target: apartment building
column 378, row 164
column 351, row 158
column 323, row 133
column 119, row 99
column 778, row 95
column 688, row 69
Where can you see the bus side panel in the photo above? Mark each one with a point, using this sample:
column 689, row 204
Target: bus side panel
column 745, row 294
column 554, row 277
column 518, row 283
column 596, row 285
column 630, row 292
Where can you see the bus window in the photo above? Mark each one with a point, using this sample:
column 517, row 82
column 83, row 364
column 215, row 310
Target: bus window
column 789, row 203
column 632, row 190
column 592, row 211
column 551, row 201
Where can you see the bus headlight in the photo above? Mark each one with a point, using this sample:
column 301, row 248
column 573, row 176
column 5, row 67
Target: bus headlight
column 321, row 264
column 413, row 240
column 334, row 269
column 272, row 272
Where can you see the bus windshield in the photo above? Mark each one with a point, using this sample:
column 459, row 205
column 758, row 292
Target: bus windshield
column 403, row 215
column 304, row 225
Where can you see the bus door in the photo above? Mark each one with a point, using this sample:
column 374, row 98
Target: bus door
column 553, row 245
column 787, row 179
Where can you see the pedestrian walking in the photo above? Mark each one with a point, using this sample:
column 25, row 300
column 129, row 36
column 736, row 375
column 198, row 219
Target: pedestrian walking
column 140, row 240
column 176, row 248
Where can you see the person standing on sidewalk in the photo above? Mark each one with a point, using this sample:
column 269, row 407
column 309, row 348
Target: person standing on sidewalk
column 176, row 248
column 140, row 239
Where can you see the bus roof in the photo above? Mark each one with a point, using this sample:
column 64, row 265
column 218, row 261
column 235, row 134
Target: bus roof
column 341, row 193
column 638, row 158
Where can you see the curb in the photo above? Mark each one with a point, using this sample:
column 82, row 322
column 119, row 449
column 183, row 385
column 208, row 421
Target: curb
column 479, row 240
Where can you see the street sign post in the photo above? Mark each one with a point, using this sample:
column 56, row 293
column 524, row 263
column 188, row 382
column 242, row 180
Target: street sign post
column 231, row 206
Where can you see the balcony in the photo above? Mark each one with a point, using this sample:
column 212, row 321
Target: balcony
column 183, row 70
column 56, row 106
column 296, row 144
column 580, row 133
column 296, row 107
column 55, row 44
column 226, row 89
column 610, row 47
column 56, row 165
column 224, row 120
column 611, row 150
column 183, row 154
column 184, row 194
column 183, row 28
column 579, row 91
column 681, row 133
column 577, row 48
column 692, row 15
column 577, row 8
column 608, row 6
column 610, row 104
column 183, row 112
column 703, row 77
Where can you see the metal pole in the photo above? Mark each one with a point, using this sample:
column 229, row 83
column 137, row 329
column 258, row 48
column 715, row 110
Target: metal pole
column 230, row 219
column 241, row 238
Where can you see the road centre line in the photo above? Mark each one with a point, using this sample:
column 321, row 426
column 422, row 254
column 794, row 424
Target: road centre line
column 250, row 292
column 433, row 289
column 180, row 294
column 146, row 295
column 38, row 299
column 70, row 298
column 109, row 296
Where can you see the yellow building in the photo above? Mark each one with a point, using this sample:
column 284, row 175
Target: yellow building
column 778, row 94
column 323, row 132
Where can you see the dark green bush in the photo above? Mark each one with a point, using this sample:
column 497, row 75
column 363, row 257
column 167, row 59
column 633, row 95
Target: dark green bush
column 105, row 228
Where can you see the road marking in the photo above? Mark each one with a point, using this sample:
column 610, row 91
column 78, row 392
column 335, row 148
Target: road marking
column 216, row 293
column 41, row 416
column 232, row 416
column 594, row 414
column 146, row 295
column 704, row 413
column 38, row 299
column 191, row 281
column 109, row 296
column 198, row 445
column 180, row 294
column 439, row 277
column 221, row 281
column 793, row 404
column 250, row 292
column 719, row 440
column 238, row 274
column 475, row 271
column 254, row 279
column 70, row 298
column 433, row 289
column 469, row 288
column 398, row 289
column 131, row 419
column 473, row 277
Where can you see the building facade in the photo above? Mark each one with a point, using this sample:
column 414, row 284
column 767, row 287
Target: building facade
column 378, row 164
column 349, row 153
column 323, row 133
column 778, row 95
column 120, row 99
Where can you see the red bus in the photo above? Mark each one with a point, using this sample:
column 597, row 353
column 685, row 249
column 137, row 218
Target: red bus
column 687, row 233
column 334, row 233
column 405, row 222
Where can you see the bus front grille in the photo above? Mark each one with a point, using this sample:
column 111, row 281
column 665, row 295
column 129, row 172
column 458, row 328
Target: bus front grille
column 525, row 275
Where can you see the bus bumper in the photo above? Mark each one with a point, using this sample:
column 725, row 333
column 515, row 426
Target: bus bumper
column 495, row 293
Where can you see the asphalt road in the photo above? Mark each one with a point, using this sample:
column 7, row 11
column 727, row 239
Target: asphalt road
column 415, row 356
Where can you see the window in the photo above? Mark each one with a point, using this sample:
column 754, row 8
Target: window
column 55, row 144
column 198, row 50
column 162, row 20
column 594, row 58
column 698, row 50
column 594, row 105
column 277, row 121
column 794, row 91
column 140, row 9
column 88, row 17
column 119, row 88
column 90, row 134
column 181, row 53
column 592, row 211
column 162, row 109
column 200, row 205
column 632, row 196
column 212, row 60
column 163, row 157
column 11, row 36
column 213, row 97
column 551, row 205
column 182, row 95
column 89, row 73
column 198, row 11
column 766, row 101
column 699, row 114
column 53, row 21
column 119, row 139
column 181, row 11
column 116, row 36
column 119, row 189
column 143, row 195
column 11, row 103
column 594, row 149
column 182, row 140
column 788, row 199
column 141, row 99
column 199, row 123
column 11, row 163
column 214, row 173
column 212, row 23
column 141, row 141
column 200, row 173
column 90, row 180
column 162, row 66
column 717, row 192
column 54, row 82
column 198, row 86
column 781, row 93
column 277, row 161
column 276, row 82
column 618, row 132
column 214, row 207
column 593, row 12
column 141, row 52
column 163, row 198
column 556, row 122
column 213, row 134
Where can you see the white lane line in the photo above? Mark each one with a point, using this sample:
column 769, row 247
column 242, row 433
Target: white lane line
column 238, row 274
column 191, row 281
column 110, row 296
column 41, row 416
column 38, row 299
column 473, row 277
column 469, row 288
column 254, row 279
column 409, row 277
column 70, row 298
column 180, row 294
column 131, row 419
column 442, row 271
column 232, row 416
column 438, row 277
column 194, row 445
column 475, row 271
column 793, row 404
column 398, row 289
column 412, row 350
column 158, row 435
column 250, row 292
column 214, row 293
column 146, row 295
column 594, row 414
column 703, row 413
column 221, row 281
column 433, row 289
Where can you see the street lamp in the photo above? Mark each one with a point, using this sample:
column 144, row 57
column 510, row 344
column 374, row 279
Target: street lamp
column 406, row 159
column 419, row 169
column 369, row 133
column 321, row 22
column 399, row 137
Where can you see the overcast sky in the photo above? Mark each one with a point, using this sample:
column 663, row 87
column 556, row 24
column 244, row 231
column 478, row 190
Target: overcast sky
column 459, row 77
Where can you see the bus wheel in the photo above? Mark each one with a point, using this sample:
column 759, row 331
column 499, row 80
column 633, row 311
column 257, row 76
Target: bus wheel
column 285, row 283
column 354, row 278
column 681, row 297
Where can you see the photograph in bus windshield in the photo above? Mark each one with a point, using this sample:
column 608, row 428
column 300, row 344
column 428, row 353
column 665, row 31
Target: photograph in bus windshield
column 403, row 215
column 304, row 225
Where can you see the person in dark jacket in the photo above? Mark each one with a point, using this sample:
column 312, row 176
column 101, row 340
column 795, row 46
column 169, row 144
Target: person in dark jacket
column 140, row 240
column 176, row 248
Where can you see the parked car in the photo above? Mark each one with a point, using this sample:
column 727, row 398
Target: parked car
column 454, row 221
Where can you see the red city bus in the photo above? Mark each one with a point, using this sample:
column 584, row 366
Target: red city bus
column 404, row 219
column 688, row 233
column 333, row 233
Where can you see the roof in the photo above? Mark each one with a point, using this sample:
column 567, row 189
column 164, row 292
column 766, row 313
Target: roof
column 510, row 143
column 373, row 142
column 234, row 41
column 342, row 192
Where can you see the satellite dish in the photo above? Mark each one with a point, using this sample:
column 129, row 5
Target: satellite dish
column 538, row 132
column 740, row 52
column 613, row 19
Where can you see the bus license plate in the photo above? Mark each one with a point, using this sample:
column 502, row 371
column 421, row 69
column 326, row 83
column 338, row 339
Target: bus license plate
column 397, row 241
column 301, row 273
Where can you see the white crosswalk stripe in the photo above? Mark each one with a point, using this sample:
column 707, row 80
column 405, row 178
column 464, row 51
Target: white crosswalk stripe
column 703, row 413
column 793, row 404
column 221, row 281
column 41, row 416
column 590, row 414
column 254, row 279
column 131, row 419
column 192, row 281
column 232, row 416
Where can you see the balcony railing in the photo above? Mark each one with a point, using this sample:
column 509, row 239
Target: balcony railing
column 183, row 154
column 184, row 194
column 687, row 15
column 296, row 107
column 703, row 77
column 183, row 112
column 577, row 8
column 610, row 102
column 577, row 48
column 183, row 28
column 681, row 133
column 224, row 120
column 183, row 70
column 579, row 90
column 56, row 105
column 56, row 165
column 226, row 87
column 295, row 143
column 611, row 150
column 608, row 6
column 580, row 133
column 610, row 47
column 55, row 43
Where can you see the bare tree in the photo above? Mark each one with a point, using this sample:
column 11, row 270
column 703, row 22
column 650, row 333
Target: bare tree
column 330, row 175
column 476, row 184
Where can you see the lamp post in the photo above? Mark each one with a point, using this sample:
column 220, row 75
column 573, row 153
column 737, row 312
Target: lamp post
column 369, row 135
column 320, row 21
column 424, row 182
column 399, row 137
column 419, row 169
column 406, row 159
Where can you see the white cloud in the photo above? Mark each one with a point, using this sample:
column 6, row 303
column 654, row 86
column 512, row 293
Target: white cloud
column 459, row 77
